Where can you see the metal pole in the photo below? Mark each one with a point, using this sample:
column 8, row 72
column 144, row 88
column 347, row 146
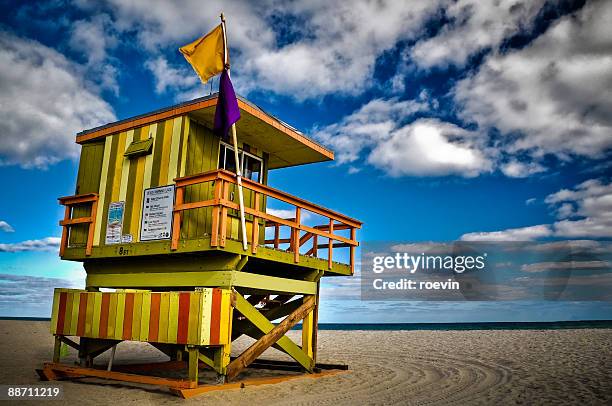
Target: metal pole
column 236, row 157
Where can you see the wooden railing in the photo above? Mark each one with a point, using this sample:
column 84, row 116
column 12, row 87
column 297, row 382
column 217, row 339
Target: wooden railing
column 221, row 202
column 69, row 202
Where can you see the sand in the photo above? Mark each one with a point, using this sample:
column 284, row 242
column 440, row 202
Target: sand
column 387, row 367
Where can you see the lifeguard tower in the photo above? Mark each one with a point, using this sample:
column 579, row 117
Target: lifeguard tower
column 155, row 221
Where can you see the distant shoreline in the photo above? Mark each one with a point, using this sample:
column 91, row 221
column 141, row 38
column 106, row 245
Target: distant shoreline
column 503, row 325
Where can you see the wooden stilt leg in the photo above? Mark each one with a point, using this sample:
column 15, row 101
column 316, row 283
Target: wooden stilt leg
column 193, row 366
column 57, row 349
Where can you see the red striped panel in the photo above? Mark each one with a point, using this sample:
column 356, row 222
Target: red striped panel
column 82, row 314
column 154, row 316
column 215, row 316
column 104, row 315
column 127, row 316
column 61, row 313
column 183, row 318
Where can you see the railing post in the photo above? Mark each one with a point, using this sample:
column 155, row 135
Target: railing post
column 352, row 249
column 64, row 242
column 214, row 233
column 255, row 228
column 330, row 244
column 224, row 214
column 276, row 235
column 176, row 225
column 296, row 235
column 90, row 230
column 315, row 245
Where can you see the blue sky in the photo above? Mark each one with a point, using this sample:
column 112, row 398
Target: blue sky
column 449, row 119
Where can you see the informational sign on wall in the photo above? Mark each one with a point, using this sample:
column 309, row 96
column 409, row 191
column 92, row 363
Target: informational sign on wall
column 156, row 221
column 114, row 225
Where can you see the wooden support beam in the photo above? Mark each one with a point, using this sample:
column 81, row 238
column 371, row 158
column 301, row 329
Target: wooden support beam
column 194, row 353
column 190, row 393
column 117, row 376
column 272, row 336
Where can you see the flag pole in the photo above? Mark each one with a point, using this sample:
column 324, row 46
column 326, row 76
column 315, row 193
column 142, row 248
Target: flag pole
column 235, row 141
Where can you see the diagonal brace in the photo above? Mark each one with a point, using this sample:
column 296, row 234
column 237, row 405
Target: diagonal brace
column 273, row 335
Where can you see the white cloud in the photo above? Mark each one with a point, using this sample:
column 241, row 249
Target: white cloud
column 425, row 147
column 44, row 244
column 44, row 102
column 513, row 234
column 551, row 97
column 516, row 169
column 585, row 211
column 93, row 39
column 168, row 77
column 327, row 47
column 429, row 147
column 6, row 227
column 474, row 26
column 531, row 201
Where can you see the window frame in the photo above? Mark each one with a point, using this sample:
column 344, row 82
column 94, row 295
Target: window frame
column 241, row 153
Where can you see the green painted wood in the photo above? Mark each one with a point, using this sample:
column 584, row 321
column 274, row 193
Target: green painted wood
column 139, row 148
column 224, row 279
column 88, row 181
column 281, row 260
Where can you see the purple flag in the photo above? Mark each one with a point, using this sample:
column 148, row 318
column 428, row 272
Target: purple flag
column 227, row 112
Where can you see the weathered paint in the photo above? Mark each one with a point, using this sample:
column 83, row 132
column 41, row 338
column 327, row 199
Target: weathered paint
column 199, row 317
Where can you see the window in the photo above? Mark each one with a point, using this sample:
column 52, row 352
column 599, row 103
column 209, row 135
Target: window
column 250, row 164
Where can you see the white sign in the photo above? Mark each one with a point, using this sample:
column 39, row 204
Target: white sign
column 126, row 238
column 157, row 206
column 114, row 224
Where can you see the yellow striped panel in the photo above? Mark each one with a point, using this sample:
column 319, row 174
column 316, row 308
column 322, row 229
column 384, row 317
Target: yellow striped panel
column 102, row 190
column 194, row 317
column 119, row 316
column 205, row 316
column 136, row 313
column 112, row 315
column 149, row 159
column 145, row 316
column 174, row 150
column 97, row 309
column 184, row 147
column 89, row 311
column 224, row 334
column 74, row 318
column 125, row 169
column 165, row 158
column 119, row 158
column 164, row 305
column 173, row 311
column 55, row 311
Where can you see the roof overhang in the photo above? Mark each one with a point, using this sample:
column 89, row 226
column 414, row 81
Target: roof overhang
column 286, row 145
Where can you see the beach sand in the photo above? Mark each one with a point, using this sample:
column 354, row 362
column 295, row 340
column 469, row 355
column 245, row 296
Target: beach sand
column 387, row 367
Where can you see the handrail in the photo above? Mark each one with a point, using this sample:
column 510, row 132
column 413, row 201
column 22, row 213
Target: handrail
column 68, row 221
column 220, row 203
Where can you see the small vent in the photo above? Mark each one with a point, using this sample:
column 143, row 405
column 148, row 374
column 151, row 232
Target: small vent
column 139, row 148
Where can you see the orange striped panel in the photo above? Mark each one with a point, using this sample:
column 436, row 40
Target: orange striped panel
column 104, row 315
column 215, row 316
column 82, row 313
column 183, row 318
column 127, row 316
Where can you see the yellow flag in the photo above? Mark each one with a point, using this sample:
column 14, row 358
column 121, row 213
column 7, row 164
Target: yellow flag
column 205, row 54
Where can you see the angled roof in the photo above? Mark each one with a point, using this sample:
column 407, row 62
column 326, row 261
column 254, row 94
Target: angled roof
column 286, row 145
